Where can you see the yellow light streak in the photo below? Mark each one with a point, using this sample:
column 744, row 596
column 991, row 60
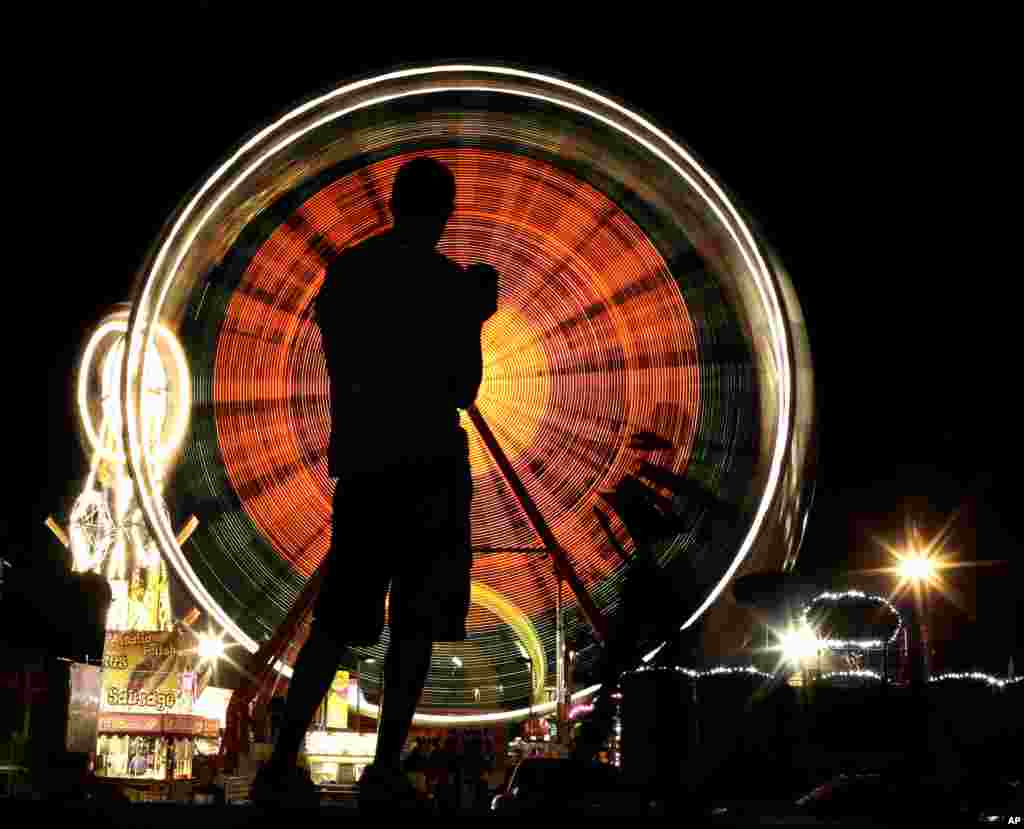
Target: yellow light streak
column 57, row 530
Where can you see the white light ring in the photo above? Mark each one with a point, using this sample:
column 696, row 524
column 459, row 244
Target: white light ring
column 143, row 322
column 181, row 383
column 854, row 644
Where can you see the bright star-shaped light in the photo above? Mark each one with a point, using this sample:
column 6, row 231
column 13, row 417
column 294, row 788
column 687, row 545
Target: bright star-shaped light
column 798, row 644
column 211, row 647
column 921, row 561
column 917, row 568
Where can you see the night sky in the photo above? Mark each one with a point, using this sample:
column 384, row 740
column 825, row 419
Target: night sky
column 846, row 154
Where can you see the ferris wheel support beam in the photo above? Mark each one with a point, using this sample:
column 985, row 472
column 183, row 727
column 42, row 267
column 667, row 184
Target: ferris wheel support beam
column 563, row 567
column 58, row 531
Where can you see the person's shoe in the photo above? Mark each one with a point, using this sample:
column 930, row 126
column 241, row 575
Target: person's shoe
column 290, row 788
column 386, row 790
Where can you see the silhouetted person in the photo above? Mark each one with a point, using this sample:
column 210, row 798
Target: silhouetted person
column 400, row 325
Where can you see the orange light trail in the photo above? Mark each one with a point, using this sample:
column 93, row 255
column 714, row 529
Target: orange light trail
column 591, row 344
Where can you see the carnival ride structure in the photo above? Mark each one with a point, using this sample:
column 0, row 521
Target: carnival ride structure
column 646, row 341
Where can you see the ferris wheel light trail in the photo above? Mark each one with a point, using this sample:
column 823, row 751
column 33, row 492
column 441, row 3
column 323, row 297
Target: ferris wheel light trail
column 163, row 339
column 562, row 564
column 201, row 210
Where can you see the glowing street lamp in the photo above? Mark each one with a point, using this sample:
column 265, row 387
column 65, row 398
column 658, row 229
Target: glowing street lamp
column 211, row 648
column 799, row 644
column 917, row 568
column 919, row 561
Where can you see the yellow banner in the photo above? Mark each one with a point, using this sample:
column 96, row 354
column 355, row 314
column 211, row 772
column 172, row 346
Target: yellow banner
column 149, row 672
column 337, row 701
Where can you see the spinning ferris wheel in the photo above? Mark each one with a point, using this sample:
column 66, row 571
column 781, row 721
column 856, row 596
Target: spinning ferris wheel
column 646, row 340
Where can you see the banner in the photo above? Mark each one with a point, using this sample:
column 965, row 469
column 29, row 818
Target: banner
column 213, row 704
column 83, row 708
column 149, row 672
column 188, row 725
column 337, row 701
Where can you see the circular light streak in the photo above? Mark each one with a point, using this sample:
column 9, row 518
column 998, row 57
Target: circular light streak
column 540, row 380
column 205, row 226
column 102, row 355
column 848, row 644
column 483, row 596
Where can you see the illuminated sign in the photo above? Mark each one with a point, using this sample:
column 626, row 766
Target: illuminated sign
column 341, row 743
column 337, row 701
column 213, row 704
column 187, row 725
column 148, row 672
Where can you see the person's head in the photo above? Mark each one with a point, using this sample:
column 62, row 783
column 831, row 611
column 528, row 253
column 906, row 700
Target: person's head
column 422, row 200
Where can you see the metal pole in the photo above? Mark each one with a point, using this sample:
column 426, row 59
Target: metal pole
column 359, row 717
column 885, row 667
column 926, row 640
column 529, row 718
column 560, row 660
column 561, row 561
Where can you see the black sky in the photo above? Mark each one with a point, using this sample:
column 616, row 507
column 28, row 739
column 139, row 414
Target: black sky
column 847, row 154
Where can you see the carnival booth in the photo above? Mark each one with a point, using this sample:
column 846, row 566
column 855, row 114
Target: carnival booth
column 156, row 747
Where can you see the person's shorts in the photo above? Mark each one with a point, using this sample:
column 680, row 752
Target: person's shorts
column 406, row 529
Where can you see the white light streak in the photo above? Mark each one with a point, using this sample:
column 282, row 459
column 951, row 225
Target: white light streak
column 229, row 176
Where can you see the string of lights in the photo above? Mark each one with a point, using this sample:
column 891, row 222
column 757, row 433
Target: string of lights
column 975, row 676
column 852, row 644
column 708, row 673
column 831, row 675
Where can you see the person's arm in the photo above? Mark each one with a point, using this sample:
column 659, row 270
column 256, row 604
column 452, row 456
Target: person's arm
column 479, row 301
column 469, row 369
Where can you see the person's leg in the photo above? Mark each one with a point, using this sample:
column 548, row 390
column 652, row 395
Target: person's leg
column 351, row 618
column 311, row 679
column 405, row 673
column 420, row 597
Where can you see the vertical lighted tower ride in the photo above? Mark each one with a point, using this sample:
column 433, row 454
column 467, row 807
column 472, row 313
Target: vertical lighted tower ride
column 648, row 348
column 107, row 532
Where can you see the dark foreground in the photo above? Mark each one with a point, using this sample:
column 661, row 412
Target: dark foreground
column 182, row 816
